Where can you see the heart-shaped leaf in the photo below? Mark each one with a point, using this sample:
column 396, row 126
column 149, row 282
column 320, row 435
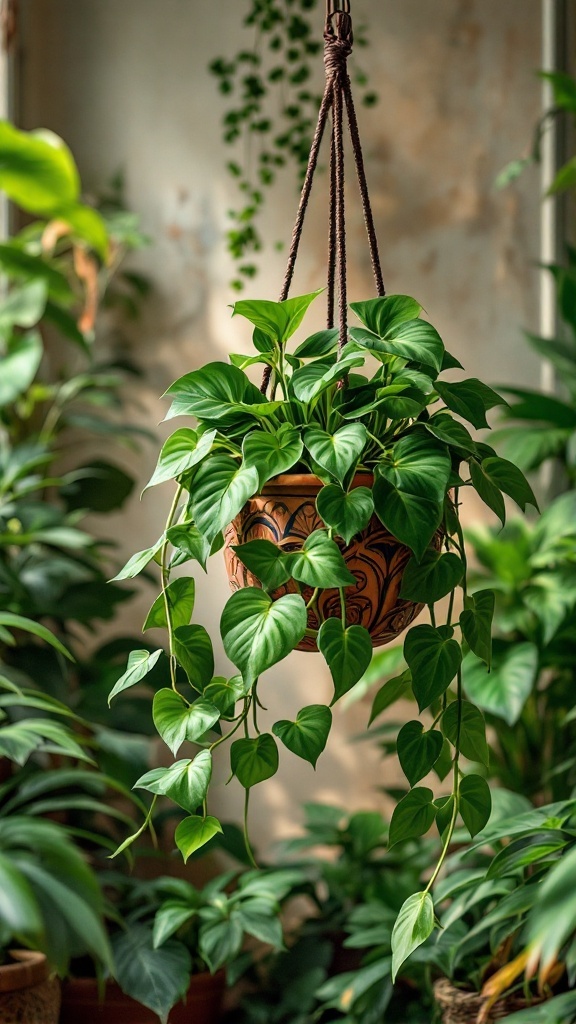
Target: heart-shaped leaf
column 319, row 563
column 193, row 651
column 272, row 454
column 416, row 340
column 418, row 750
column 475, row 804
column 414, row 924
column 184, row 449
column 347, row 512
column 347, row 652
column 337, row 453
column 505, row 689
column 393, row 689
column 266, row 560
column 469, row 399
column 476, row 624
column 218, row 394
column 221, row 489
column 177, row 721
column 258, row 632
column 434, row 659
column 432, row 578
column 136, row 563
column 465, row 722
column 489, row 491
column 419, row 465
column 140, row 663
column 179, row 596
column 322, row 343
column 254, row 760
column 194, row 832
column 310, row 381
column 384, row 315
column 225, row 692
column 509, row 479
column 185, row 782
column 410, row 519
column 306, row 736
column 413, row 815
column 451, row 432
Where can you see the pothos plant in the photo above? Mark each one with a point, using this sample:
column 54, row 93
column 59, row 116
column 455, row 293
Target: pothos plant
column 374, row 422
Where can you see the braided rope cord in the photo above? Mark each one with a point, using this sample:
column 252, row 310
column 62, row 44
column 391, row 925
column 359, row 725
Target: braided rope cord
column 337, row 101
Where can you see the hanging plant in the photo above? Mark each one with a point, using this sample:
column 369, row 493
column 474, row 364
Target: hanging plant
column 272, row 111
column 335, row 492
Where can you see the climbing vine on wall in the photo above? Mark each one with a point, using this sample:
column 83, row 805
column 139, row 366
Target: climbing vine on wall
column 273, row 105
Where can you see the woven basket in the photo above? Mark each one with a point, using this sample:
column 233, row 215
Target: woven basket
column 461, row 1007
column 28, row 995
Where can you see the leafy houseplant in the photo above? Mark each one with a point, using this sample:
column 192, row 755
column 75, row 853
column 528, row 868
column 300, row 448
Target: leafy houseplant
column 387, row 461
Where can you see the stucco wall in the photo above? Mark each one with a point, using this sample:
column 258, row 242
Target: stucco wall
column 126, row 84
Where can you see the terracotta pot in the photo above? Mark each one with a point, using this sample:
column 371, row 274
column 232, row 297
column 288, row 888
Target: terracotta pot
column 28, row 995
column 285, row 513
column 460, row 1007
column 81, row 1003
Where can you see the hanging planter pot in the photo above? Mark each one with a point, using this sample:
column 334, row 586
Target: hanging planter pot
column 285, row 514
column 28, row 992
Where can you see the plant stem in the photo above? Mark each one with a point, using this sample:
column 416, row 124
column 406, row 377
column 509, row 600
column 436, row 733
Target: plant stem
column 247, row 843
column 228, row 735
column 455, row 791
column 165, row 581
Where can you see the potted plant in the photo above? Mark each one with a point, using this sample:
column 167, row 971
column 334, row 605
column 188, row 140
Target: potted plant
column 377, row 464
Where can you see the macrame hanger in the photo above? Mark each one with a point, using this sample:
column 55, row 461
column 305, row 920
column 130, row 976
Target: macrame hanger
column 337, row 100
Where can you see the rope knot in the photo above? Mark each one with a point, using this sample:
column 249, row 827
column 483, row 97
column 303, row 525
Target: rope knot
column 337, row 43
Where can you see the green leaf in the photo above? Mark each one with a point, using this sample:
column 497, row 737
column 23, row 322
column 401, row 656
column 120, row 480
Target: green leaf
column 254, row 760
column 14, row 621
column 220, row 940
column 193, row 651
column 418, row 465
column 37, row 170
column 185, row 782
column 319, row 563
column 19, row 910
column 469, row 722
column 434, row 659
column 347, row 651
column 272, row 454
column 487, row 490
column 179, row 595
column 412, row 520
column 347, row 512
column 322, row 343
column 194, row 832
column 225, row 692
column 183, row 450
column 418, row 750
column 19, row 366
column 219, row 395
column 23, row 306
column 310, row 381
column 258, row 632
column 307, row 735
column 221, row 489
column 384, row 315
column 504, row 691
column 508, row 478
column 190, row 543
column 476, row 624
column 178, row 721
column 469, row 399
column 278, row 320
column 432, row 578
column 140, row 663
column 414, row 924
column 413, row 815
column 266, row 561
column 138, row 562
column 451, row 432
column 86, row 225
column 157, row 978
column 475, row 804
column 415, row 340
column 337, row 453
column 393, row 689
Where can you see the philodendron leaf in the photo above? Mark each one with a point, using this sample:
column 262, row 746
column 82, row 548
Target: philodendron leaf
column 184, row 449
column 190, row 543
column 416, row 340
column 140, row 663
column 412, row 520
column 311, row 380
column 466, row 724
column 418, row 465
column 254, row 760
column 185, row 782
column 413, row 815
column 194, row 832
column 20, row 365
column 278, row 320
column 443, row 426
column 475, row 803
column 414, row 924
column 476, row 624
column 469, row 399
column 347, row 512
column 505, row 476
column 193, row 651
column 505, row 689
column 157, row 978
column 307, row 735
column 266, row 561
column 432, row 578
column 258, row 632
column 272, row 454
column 393, row 689
column 221, row 488
column 225, row 692
column 322, row 343
column 136, row 563
column 177, row 721
column 434, row 658
column 320, row 563
column 348, row 652
column 179, row 596
column 383, row 316
column 418, row 750
column 489, row 491
column 220, row 395
column 337, row 453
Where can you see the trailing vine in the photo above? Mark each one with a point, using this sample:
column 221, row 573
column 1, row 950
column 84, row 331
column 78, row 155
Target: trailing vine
column 272, row 112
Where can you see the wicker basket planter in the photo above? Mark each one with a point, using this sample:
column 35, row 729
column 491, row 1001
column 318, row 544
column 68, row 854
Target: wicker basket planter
column 28, row 995
column 458, row 1006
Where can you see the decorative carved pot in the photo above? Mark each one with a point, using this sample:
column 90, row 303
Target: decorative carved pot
column 28, row 995
column 285, row 513
column 460, row 1007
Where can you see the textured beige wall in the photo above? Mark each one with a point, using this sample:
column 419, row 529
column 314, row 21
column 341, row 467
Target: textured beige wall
column 125, row 82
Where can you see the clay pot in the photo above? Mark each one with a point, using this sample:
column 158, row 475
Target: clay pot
column 285, row 513
column 28, row 995
column 458, row 1006
column 81, row 1003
